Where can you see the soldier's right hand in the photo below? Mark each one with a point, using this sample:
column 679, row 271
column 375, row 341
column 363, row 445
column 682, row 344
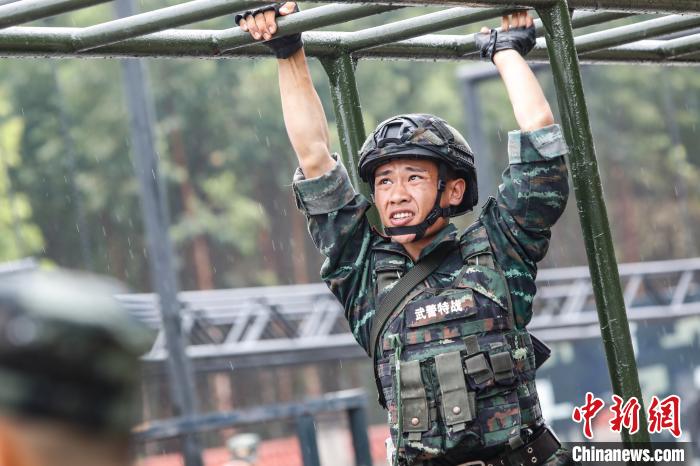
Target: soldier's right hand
column 262, row 22
column 517, row 33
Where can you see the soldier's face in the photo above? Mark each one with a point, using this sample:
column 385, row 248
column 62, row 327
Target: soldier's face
column 404, row 193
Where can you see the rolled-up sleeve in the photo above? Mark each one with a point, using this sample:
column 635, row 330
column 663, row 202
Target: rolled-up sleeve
column 533, row 146
column 323, row 194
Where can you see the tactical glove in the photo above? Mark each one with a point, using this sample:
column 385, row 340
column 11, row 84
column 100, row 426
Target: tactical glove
column 520, row 39
column 283, row 47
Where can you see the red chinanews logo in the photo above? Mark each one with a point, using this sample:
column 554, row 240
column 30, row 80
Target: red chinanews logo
column 661, row 415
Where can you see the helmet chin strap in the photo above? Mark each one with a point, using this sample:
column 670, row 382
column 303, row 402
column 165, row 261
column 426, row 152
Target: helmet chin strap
column 435, row 213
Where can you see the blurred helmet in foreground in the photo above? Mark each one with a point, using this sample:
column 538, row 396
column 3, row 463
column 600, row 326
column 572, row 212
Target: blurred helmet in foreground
column 244, row 447
column 69, row 351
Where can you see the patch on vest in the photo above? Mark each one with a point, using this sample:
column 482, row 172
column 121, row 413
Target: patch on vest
column 441, row 308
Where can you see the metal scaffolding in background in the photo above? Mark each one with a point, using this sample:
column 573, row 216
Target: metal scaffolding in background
column 149, row 35
column 296, row 324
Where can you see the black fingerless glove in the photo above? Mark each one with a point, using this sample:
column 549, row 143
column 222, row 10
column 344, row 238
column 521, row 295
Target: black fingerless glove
column 283, row 47
column 520, row 39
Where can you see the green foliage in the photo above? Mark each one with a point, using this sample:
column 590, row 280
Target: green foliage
column 645, row 130
column 19, row 237
column 233, row 220
column 227, row 164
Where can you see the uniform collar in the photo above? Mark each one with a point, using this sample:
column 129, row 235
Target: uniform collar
column 449, row 233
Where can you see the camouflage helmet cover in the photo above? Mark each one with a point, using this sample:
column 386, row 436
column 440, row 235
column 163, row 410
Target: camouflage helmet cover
column 69, row 351
column 422, row 136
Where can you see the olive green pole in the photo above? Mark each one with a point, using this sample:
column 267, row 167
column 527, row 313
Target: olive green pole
column 156, row 20
column 348, row 116
column 605, row 278
column 24, row 11
column 682, row 45
column 57, row 42
column 634, row 32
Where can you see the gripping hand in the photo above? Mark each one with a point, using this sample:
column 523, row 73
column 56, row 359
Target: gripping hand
column 519, row 37
column 261, row 23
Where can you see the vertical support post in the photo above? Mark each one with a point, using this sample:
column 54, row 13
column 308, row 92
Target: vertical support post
column 605, row 277
column 360, row 439
column 348, row 116
column 306, row 431
column 160, row 251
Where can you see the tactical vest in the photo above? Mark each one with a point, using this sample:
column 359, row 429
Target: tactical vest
column 455, row 373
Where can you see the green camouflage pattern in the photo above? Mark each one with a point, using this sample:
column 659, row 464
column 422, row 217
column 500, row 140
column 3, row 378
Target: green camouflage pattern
column 419, row 136
column 496, row 263
column 498, row 404
column 69, row 351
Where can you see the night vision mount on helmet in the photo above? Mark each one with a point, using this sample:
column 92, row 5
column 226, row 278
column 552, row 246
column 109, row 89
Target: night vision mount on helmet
column 422, row 136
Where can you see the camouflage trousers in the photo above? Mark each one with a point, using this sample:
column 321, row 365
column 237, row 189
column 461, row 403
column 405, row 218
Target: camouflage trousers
column 562, row 457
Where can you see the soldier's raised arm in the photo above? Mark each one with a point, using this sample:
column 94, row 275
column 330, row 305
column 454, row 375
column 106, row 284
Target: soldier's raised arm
column 335, row 212
column 535, row 188
column 304, row 117
column 530, row 106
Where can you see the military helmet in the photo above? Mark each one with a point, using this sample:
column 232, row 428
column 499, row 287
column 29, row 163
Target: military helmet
column 422, row 136
column 69, row 351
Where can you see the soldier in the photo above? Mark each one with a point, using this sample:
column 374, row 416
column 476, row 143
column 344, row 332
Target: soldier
column 69, row 371
column 442, row 314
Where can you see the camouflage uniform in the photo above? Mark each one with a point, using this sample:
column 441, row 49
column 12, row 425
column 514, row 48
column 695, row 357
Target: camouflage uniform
column 69, row 352
column 494, row 272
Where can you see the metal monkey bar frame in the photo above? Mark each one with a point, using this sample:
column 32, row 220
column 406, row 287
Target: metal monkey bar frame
column 149, row 35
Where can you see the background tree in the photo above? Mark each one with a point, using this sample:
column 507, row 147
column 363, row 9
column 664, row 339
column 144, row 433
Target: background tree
column 19, row 236
column 228, row 164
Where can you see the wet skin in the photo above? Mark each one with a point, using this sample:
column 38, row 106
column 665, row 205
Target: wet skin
column 404, row 193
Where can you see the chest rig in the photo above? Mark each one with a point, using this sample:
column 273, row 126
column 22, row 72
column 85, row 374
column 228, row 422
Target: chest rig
column 453, row 371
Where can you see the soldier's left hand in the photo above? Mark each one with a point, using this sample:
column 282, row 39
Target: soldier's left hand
column 261, row 23
column 517, row 33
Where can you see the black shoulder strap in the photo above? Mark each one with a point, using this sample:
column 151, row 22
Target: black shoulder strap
column 404, row 286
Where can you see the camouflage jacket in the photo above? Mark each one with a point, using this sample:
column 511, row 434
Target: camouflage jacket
column 514, row 227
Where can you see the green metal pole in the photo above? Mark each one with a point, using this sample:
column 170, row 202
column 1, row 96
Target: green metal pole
column 682, row 45
column 306, row 431
column 197, row 10
column 348, row 116
column 58, row 43
column 156, row 20
column 447, row 19
column 632, row 6
column 24, row 11
column 605, row 278
column 418, row 26
column 634, row 32
column 360, row 439
column 312, row 18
